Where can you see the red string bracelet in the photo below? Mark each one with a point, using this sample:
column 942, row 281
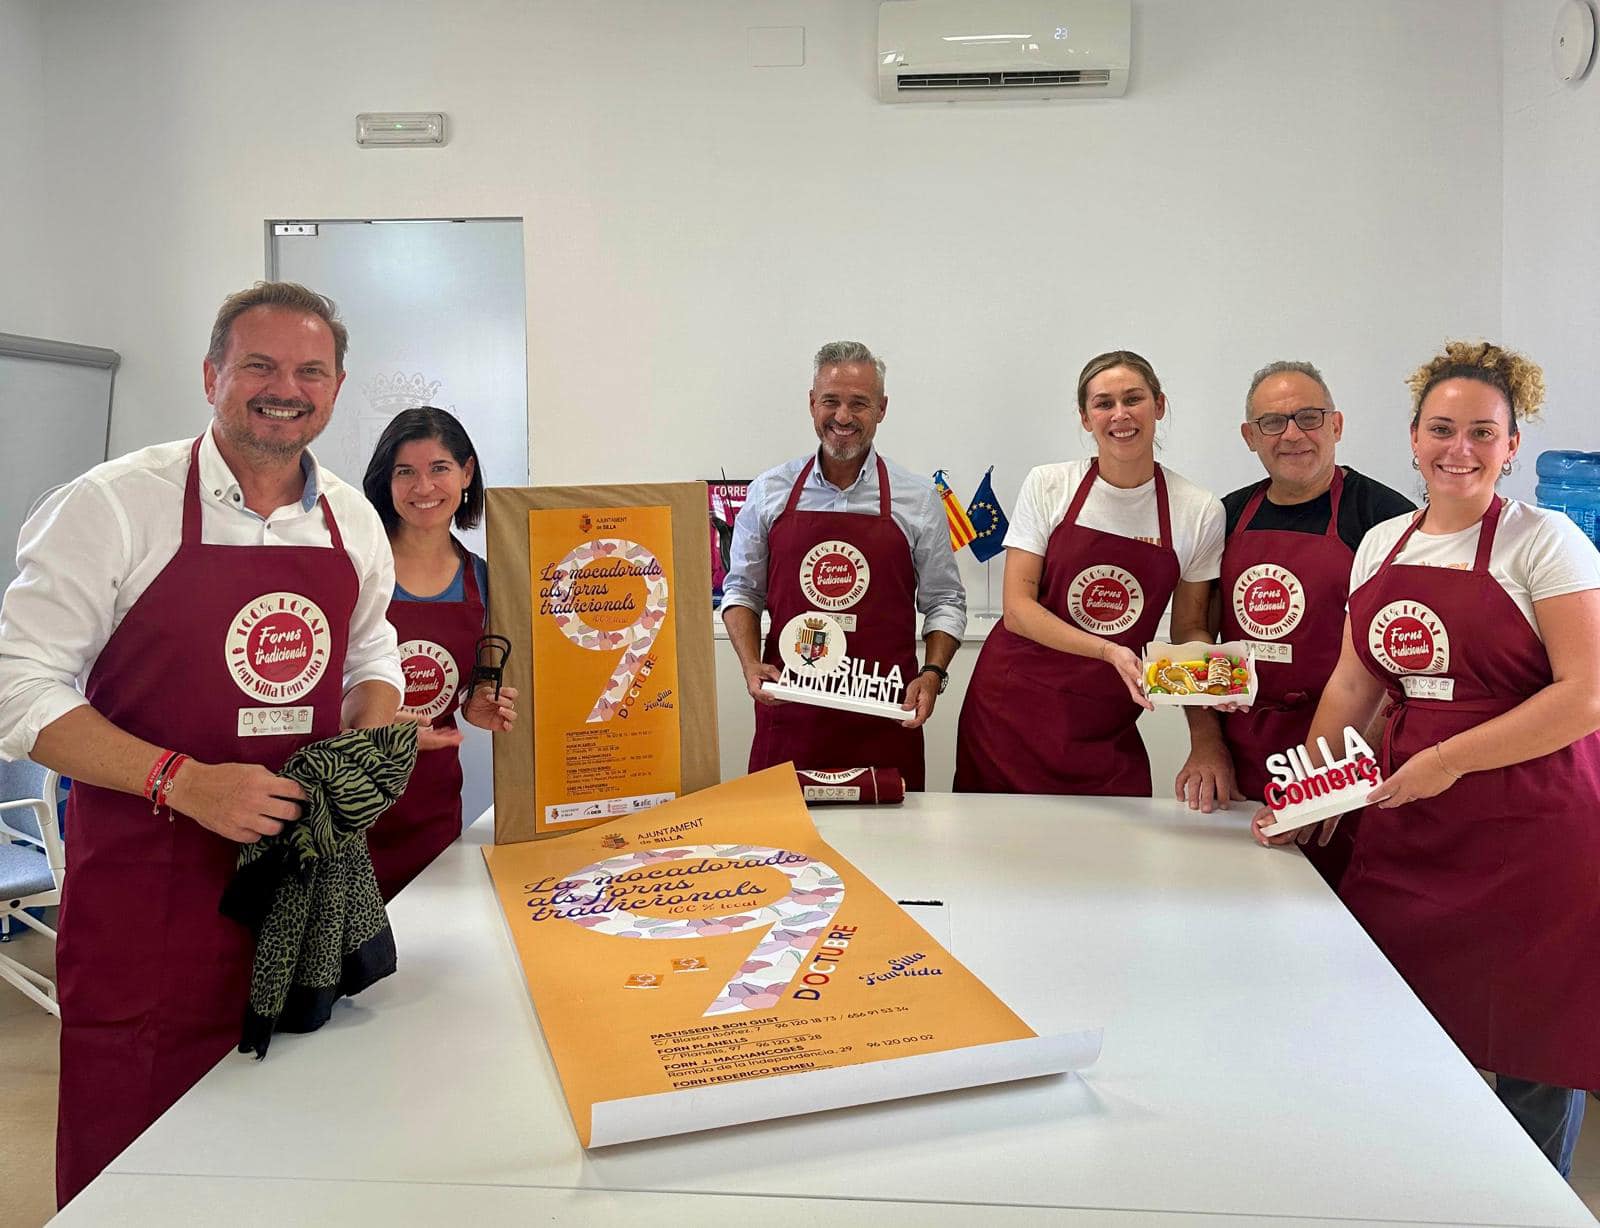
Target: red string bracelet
column 157, row 770
column 161, row 790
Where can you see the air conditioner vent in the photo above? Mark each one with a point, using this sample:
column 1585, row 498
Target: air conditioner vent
column 1002, row 80
column 1000, row 52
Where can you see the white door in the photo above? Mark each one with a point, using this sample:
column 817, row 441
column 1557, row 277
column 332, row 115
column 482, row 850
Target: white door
column 437, row 316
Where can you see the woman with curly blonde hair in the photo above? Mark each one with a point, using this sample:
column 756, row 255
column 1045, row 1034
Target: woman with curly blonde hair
column 1477, row 866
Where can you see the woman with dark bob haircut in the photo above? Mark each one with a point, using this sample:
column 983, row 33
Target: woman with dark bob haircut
column 424, row 479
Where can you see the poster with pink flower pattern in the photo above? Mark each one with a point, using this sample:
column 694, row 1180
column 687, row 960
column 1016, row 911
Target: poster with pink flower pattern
column 714, row 961
column 605, row 709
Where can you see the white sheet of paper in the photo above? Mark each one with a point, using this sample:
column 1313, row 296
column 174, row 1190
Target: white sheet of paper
column 933, row 916
column 731, row 1104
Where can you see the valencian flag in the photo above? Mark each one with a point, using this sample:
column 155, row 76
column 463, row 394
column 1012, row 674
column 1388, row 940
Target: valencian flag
column 961, row 530
column 988, row 521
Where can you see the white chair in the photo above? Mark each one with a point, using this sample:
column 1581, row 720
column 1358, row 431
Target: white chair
column 32, row 865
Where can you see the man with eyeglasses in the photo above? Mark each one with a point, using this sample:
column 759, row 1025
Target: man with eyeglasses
column 1286, row 573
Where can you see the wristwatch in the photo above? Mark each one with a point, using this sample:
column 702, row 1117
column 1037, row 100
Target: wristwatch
column 944, row 676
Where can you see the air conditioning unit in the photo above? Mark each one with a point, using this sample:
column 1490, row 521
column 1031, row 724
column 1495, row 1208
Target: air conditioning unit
column 955, row 50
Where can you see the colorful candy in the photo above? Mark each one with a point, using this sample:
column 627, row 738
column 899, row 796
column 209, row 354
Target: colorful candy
column 1178, row 680
column 1217, row 674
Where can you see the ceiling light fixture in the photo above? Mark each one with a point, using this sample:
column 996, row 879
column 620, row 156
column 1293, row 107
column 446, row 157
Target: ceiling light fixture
column 378, row 128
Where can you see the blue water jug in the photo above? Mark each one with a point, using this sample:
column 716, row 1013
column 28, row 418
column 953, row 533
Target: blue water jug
column 1570, row 482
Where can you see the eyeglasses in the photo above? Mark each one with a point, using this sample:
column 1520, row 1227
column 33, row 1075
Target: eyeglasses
column 1306, row 419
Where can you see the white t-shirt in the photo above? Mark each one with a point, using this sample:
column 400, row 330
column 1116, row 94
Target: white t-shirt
column 1537, row 553
column 1198, row 522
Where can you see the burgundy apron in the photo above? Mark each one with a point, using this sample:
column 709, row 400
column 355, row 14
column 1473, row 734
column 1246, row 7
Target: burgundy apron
column 1037, row 720
column 233, row 655
column 1485, row 898
column 1286, row 591
column 438, row 648
column 851, row 566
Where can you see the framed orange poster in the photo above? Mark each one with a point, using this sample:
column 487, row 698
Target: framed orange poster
column 603, row 593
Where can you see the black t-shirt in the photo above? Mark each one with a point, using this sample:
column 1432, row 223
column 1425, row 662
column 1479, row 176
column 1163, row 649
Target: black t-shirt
column 1364, row 503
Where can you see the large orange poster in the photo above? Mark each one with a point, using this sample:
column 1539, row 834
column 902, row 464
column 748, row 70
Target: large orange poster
column 606, row 696
column 715, row 962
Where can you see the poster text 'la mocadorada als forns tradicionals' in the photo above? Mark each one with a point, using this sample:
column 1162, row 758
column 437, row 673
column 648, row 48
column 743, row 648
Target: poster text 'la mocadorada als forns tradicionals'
column 714, row 962
column 605, row 704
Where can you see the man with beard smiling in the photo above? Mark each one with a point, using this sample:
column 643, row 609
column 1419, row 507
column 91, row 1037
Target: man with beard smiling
column 844, row 532
column 223, row 601
column 1285, row 576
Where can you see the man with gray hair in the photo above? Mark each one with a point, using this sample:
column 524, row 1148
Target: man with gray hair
column 844, row 532
column 1285, row 576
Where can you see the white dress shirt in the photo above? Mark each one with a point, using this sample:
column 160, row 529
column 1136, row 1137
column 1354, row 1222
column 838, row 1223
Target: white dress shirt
column 913, row 504
column 96, row 544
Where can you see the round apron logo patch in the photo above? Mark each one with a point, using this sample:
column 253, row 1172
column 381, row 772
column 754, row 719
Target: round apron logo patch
column 432, row 678
column 278, row 647
column 834, row 575
column 1105, row 600
column 1268, row 601
column 1406, row 637
column 811, row 644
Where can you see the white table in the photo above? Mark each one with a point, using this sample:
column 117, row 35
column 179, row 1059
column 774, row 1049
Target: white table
column 1262, row 1062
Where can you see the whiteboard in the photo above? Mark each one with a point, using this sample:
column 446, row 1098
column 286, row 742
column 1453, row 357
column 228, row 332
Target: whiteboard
column 55, row 412
column 437, row 316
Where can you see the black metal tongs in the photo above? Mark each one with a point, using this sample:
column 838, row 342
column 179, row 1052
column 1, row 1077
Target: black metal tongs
column 493, row 652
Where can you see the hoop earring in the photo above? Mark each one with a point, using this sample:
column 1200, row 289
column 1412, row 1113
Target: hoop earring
column 1505, row 470
column 1415, row 464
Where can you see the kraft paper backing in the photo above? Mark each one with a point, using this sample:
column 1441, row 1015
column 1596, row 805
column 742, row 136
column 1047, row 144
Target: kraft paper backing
column 511, row 604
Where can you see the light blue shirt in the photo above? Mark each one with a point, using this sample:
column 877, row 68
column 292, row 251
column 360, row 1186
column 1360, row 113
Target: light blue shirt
column 233, row 493
column 457, row 588
column 913, row 503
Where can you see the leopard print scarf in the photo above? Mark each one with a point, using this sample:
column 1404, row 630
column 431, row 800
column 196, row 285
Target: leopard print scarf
column 309, row 892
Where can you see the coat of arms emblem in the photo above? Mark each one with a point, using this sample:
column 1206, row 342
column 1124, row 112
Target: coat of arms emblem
column 811, row 645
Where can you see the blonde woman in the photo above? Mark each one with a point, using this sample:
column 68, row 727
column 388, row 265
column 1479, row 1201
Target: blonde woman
column 1095, row 551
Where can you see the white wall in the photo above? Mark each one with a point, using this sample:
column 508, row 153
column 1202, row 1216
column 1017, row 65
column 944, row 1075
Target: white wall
column 24, row 265
column 1284, row 179
column 1552, row 233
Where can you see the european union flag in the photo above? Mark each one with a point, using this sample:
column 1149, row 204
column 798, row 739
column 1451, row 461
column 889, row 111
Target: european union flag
column 989, row 521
